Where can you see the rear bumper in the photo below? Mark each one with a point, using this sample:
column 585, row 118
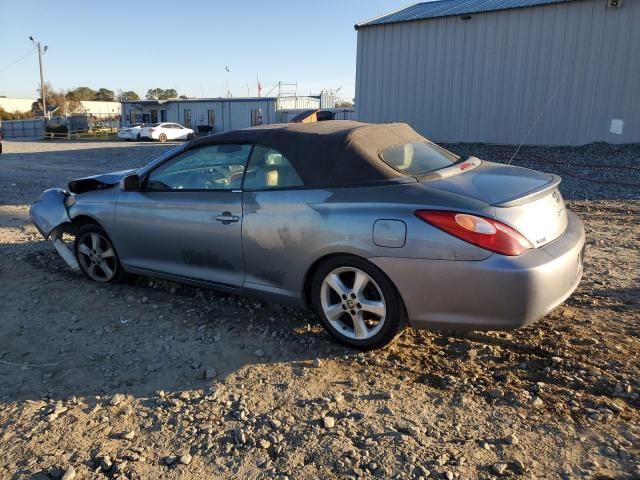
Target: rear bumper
column 496, row 293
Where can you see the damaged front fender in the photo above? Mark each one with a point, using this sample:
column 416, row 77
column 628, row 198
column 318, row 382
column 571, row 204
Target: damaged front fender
column 49, row 213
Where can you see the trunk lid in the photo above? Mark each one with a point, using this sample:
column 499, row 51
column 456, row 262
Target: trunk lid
column 524, row 199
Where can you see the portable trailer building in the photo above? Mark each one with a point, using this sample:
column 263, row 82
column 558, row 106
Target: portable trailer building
column 222, row 114
column 561, row 72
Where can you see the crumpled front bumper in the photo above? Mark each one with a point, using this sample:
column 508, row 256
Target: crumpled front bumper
column 49, row 214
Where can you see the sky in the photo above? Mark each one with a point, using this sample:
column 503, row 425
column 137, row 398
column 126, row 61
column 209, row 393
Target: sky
column 186, row 45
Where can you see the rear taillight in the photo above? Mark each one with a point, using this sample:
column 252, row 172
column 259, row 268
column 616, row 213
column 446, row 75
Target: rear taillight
column 483, row 232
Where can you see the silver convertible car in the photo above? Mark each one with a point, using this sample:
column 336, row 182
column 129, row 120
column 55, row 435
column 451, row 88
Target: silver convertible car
column 373, row 226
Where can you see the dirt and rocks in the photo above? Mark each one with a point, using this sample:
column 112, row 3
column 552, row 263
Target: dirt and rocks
column 158, row 380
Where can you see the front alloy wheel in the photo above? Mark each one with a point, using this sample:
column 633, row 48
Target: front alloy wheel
column 96, row 255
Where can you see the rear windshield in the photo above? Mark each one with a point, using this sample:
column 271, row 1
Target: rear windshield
column 416, row 158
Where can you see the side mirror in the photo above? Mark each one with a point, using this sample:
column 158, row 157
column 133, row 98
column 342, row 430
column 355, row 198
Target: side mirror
column 130, row 183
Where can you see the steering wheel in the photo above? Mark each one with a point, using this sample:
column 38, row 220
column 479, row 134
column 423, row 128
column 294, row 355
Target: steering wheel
column 205, row 179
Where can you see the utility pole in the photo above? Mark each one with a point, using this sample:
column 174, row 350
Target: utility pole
column 41, row 52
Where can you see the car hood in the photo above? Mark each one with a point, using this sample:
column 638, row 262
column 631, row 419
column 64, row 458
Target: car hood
column 98, row 182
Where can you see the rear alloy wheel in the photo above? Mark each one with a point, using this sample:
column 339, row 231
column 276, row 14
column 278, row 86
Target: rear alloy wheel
column 163, row 137
column 357, row 303
column 96, row 256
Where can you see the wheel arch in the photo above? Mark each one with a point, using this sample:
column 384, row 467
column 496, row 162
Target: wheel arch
column 80, row 221
column 308, row 277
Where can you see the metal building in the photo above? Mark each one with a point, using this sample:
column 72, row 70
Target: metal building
column 565, row 72
column 222, row 114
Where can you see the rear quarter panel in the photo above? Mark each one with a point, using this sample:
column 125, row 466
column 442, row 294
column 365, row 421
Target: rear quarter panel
column 285, row 232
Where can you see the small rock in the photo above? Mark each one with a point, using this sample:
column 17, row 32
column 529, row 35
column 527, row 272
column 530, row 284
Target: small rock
column 496, row 393
column 171, row 459
column 316, row 363
column 210, row 373
column 264, row 443
column 275, row 423
column 59, row 409
column 69, row 473
column 537, row 402
column 512, row 440
column 129, row 435
column 185, row 459
column 328, row 422
column 106, row 464
column 499, row 468
column 592, row 464
column 239, row 437
column 448, row 475
column 116, row 399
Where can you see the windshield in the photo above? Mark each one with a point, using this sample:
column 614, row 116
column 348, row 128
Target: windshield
column 416, row 158
column 155, row 125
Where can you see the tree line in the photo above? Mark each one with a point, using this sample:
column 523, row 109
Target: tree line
column 64, row 102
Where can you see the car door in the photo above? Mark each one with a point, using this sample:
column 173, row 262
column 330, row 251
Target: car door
column 181, row 132
column 186, row 220
column 277, row 222
column 172, row 131
column 168, row 130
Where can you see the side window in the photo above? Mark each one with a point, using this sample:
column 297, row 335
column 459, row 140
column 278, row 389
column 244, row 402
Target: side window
column 268, row 168
column 211, row 167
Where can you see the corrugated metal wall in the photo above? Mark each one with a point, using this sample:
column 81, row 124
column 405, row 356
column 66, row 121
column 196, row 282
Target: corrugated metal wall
column 487, row 79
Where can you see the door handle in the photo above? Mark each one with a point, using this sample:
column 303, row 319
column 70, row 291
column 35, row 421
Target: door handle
column 226, row 218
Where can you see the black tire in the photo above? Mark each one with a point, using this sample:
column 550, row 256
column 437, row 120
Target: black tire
column 162, row 137
column 395, row 316
column 191, row 136
column 84, row 237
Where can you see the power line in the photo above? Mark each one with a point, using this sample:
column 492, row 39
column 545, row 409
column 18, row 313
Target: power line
column 18, row 60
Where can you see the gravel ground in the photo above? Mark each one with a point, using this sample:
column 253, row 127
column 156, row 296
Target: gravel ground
column 158, row 380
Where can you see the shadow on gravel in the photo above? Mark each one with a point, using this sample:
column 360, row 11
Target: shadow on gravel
column 65, row 336
column 13, row 219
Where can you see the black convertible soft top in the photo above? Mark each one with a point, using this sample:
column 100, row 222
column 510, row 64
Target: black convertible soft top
column 330, row 153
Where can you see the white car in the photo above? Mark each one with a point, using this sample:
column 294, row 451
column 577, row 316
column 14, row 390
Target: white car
column 166, row 131
column 132, row 132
